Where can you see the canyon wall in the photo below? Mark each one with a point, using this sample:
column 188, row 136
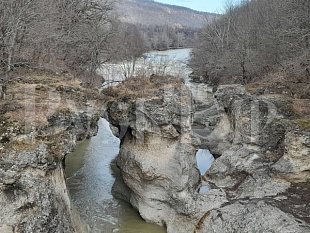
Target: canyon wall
column 40, row 124
column 261, row 143
column 263, row 164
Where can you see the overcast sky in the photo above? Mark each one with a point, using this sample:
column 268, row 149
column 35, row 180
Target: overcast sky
column 214, row 6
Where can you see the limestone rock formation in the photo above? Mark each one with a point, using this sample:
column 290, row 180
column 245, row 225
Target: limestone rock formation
column 250, row 216
column 260, row 177
column 263, row 156
column 34, row 140
column 157, row 158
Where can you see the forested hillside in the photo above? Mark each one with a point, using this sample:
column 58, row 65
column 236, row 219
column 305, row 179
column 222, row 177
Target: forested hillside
column 77, row 36
column 149, row 12
column 163, row 26
column 74, row 36
column 258, row 41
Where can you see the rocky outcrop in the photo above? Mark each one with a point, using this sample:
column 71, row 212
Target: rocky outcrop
column 157, row 159
column 33, row 192
column 260, row 172
column 262, row 153
column 250, row 216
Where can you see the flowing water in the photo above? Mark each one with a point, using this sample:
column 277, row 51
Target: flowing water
column 90, row 179
column 171, row 62
column 88, row 168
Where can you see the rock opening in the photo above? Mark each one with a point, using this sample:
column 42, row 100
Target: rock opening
column 204, row 160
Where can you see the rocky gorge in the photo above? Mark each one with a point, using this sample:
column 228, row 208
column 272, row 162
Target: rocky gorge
column 259, row 180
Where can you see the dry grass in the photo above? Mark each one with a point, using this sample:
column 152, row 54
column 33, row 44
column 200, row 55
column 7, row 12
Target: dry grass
column 34, row 97
column 36, row 114
column 35, row 101
column 294, row 81
column 142, row 87
column 272, row 88
column 302, row 107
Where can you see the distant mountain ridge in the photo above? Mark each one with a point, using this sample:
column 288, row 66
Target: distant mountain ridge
column 149, row 12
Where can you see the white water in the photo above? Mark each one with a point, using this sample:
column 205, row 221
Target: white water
column 171, row 62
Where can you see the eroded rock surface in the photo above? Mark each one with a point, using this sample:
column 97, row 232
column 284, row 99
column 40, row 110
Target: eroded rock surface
column 250, row 216
column 157, row 159
column 40, row 124
column 260, row 172
column 265, row 154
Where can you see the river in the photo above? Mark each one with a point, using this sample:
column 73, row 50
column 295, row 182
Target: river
column 89, row 168
column 90, row 179
column 170, row 62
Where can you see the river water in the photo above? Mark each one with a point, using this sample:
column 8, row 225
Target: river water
column 88, row 168
column 90, row 179
column 170, row 62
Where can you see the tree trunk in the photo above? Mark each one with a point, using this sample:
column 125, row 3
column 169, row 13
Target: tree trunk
column 11, row 51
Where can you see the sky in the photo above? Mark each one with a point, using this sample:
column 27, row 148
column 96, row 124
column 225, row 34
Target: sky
column 213, row 6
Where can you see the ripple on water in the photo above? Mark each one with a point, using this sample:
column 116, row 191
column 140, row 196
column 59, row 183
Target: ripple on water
column 90, row 180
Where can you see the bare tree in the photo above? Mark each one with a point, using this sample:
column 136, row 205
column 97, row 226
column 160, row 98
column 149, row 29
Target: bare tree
column 73, row 33
column 15, row 18
column 126, row 46
column 251, row 39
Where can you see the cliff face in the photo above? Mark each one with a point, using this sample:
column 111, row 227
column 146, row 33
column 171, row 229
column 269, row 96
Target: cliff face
column 261, row 169
column 262, row 166
column 40, row 124
column 156, row 157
